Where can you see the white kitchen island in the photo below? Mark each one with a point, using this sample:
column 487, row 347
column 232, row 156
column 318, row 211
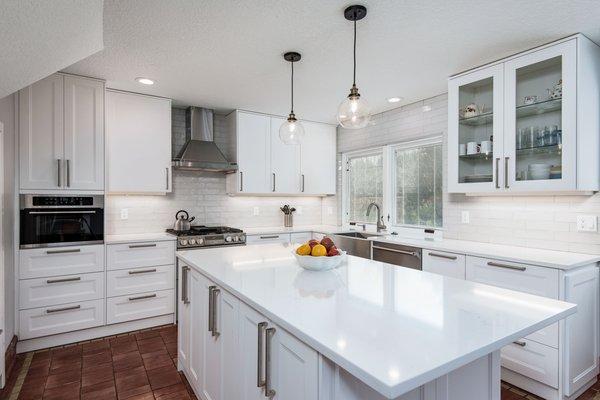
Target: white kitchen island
column 252, row 322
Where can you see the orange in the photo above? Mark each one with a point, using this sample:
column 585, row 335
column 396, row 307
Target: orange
column 303, row 250
column 319, row 251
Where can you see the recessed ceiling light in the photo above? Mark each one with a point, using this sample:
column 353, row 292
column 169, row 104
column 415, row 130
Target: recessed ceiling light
column 145, row 81
column 394, row 99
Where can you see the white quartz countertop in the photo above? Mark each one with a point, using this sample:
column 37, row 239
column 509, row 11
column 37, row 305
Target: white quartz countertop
column 393, row 328
column 328, row 229
column 139, row 237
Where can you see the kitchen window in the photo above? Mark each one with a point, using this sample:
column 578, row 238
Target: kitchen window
column 404, row 179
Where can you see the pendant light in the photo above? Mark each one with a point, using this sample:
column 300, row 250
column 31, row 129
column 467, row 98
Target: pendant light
column 354, row 112
column 291, row 131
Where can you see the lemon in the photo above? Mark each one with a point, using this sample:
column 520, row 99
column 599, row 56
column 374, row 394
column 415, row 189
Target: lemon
column 319, row 251
column 303, row 250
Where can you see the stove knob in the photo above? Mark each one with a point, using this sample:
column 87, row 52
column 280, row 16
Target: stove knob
column 183, row 242
column 228, row 239
column 192, row 241
column 235, row 238
column 199, row 241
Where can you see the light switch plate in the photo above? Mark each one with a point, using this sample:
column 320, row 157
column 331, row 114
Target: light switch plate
column 124, row 213
column 464, row 217
column 587, row 223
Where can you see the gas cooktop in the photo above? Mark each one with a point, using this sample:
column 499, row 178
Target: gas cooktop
column 207, row 236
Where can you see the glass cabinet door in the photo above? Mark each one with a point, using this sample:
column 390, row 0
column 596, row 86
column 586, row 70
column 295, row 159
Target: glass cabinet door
column 474, row 122
column 540, row 126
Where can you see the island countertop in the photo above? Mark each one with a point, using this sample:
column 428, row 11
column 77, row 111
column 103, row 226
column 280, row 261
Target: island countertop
column 393, row 328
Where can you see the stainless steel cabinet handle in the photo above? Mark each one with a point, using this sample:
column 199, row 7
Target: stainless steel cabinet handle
column 143, row 271
column 443, row 256
column 147, row 296
column 53, row 310
column 270, row 237
column 241, row 181
column 211, row 327
column 77, row 278
column 215, row 294
column 63, row 251
column 410, row 253
column 260, row 382
column 59, row 162
column 274, row 181
column 497, row 173
column 60, row 212
column 499, row 265
column 138, row 246
column 184, row 284
column 68, row 173
column 506, row 172
column 269, row 391
column 167, row 174
column 519, row 343
column 302, row 183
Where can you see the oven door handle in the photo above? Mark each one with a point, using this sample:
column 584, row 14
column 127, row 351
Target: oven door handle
column 60, row 212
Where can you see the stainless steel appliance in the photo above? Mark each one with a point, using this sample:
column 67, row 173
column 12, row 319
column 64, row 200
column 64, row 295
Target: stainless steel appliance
column 49, row 221
column 183, row 222
column 354, row 243
column 208, row 236
column 397, row 254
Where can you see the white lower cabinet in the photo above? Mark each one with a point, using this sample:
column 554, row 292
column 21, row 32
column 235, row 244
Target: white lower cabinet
column 443, row 263
column 300, row 237
column 138, row 306
column 55, row 261
column 138, row 280
column 41, row 292
column 268, row 238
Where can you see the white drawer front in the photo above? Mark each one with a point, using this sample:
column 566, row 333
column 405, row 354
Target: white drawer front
column 534, row 360
column 138, row 280
column 447, row 264
column 147, row 254
column 55, row 261
column 301, row 237
column 526, row 278
column 274, row 238
column 42, row 292
column 45, row 321
column 138, row 306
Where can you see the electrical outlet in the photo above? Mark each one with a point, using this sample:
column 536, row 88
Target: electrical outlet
column 464, row 217
column 124, row 213
column 256, row 211
column 299, row 210
column 587, row 223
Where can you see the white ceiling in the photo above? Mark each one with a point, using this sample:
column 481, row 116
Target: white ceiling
column 38, row 38
column 227, row 54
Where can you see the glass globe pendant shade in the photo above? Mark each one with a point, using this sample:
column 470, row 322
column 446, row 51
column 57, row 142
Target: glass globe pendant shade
column 354, row 112
column 291, row 131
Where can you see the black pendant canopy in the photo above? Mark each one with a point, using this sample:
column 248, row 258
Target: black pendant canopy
column 355, row 13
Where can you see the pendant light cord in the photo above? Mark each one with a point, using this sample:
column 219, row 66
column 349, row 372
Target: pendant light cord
column 292, row 87
column 354, row 75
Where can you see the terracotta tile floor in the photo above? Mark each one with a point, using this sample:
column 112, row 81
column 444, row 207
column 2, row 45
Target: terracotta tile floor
column 134, row 366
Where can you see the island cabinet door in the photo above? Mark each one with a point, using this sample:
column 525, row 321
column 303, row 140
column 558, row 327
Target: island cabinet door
column 291, row 369
column 251, row 370
column 198, row 301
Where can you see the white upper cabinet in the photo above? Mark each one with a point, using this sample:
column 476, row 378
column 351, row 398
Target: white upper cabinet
column 138, row 130
column 61, row 134
column 528, row 123
column 268, row 166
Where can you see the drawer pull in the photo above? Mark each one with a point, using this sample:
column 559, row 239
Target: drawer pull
column 143, row 271
column 260, row 382
column 77, row 278
column 410, row 253
column 139, row 246
column 53, row 310
column 270, row 237
column 499, row 265
column 443, row 256
column 269, row 391
column 520, row 343
column 63, row 251
column 147, row 296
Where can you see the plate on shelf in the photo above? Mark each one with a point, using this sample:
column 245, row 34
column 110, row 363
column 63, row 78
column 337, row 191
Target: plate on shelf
column 477, row 178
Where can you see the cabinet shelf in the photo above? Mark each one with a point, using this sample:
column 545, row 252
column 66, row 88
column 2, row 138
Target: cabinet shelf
column 477, row 156
column 540, row 107
column 481, row 119
column 545, row 150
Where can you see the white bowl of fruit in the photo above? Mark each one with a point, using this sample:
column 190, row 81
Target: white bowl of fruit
column 319, row 256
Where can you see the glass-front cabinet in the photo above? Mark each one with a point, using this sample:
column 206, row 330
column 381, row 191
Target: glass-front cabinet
column 528, row 123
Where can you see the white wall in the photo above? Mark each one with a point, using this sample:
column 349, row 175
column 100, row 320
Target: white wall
column 7, row 117
column 532, row 221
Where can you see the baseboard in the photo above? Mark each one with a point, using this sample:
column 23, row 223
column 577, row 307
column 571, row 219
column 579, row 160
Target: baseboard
column 582, row 389
column 529, row 385
column 92, row 333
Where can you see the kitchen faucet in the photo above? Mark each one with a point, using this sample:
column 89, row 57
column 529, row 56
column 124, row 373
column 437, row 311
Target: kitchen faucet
column 380, row 225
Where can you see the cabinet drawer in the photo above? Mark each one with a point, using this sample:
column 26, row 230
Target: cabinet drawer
column 138, row 306
column 534, row 360
column 274, row 238
column 45, row 321
column 138, row 280
column 42, row 292
column 301, row 237
column 447, row 264
column 55, row 261
column 147, row 254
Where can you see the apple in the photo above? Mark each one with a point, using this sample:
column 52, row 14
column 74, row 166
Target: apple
column 312, row 243
column 333, row 251
column 327, row 242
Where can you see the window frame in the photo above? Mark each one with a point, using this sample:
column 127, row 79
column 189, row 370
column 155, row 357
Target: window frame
column 388, row 209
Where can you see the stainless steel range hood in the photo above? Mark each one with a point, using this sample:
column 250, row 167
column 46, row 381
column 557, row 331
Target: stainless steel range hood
column 200, row 153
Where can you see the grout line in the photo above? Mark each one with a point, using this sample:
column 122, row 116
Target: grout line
column 21, row 378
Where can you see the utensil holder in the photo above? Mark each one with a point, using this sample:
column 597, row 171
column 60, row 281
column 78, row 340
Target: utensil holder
column 288, row 220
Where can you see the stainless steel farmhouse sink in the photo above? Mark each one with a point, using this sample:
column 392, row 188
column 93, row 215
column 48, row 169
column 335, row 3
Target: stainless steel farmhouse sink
column 354, row 243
